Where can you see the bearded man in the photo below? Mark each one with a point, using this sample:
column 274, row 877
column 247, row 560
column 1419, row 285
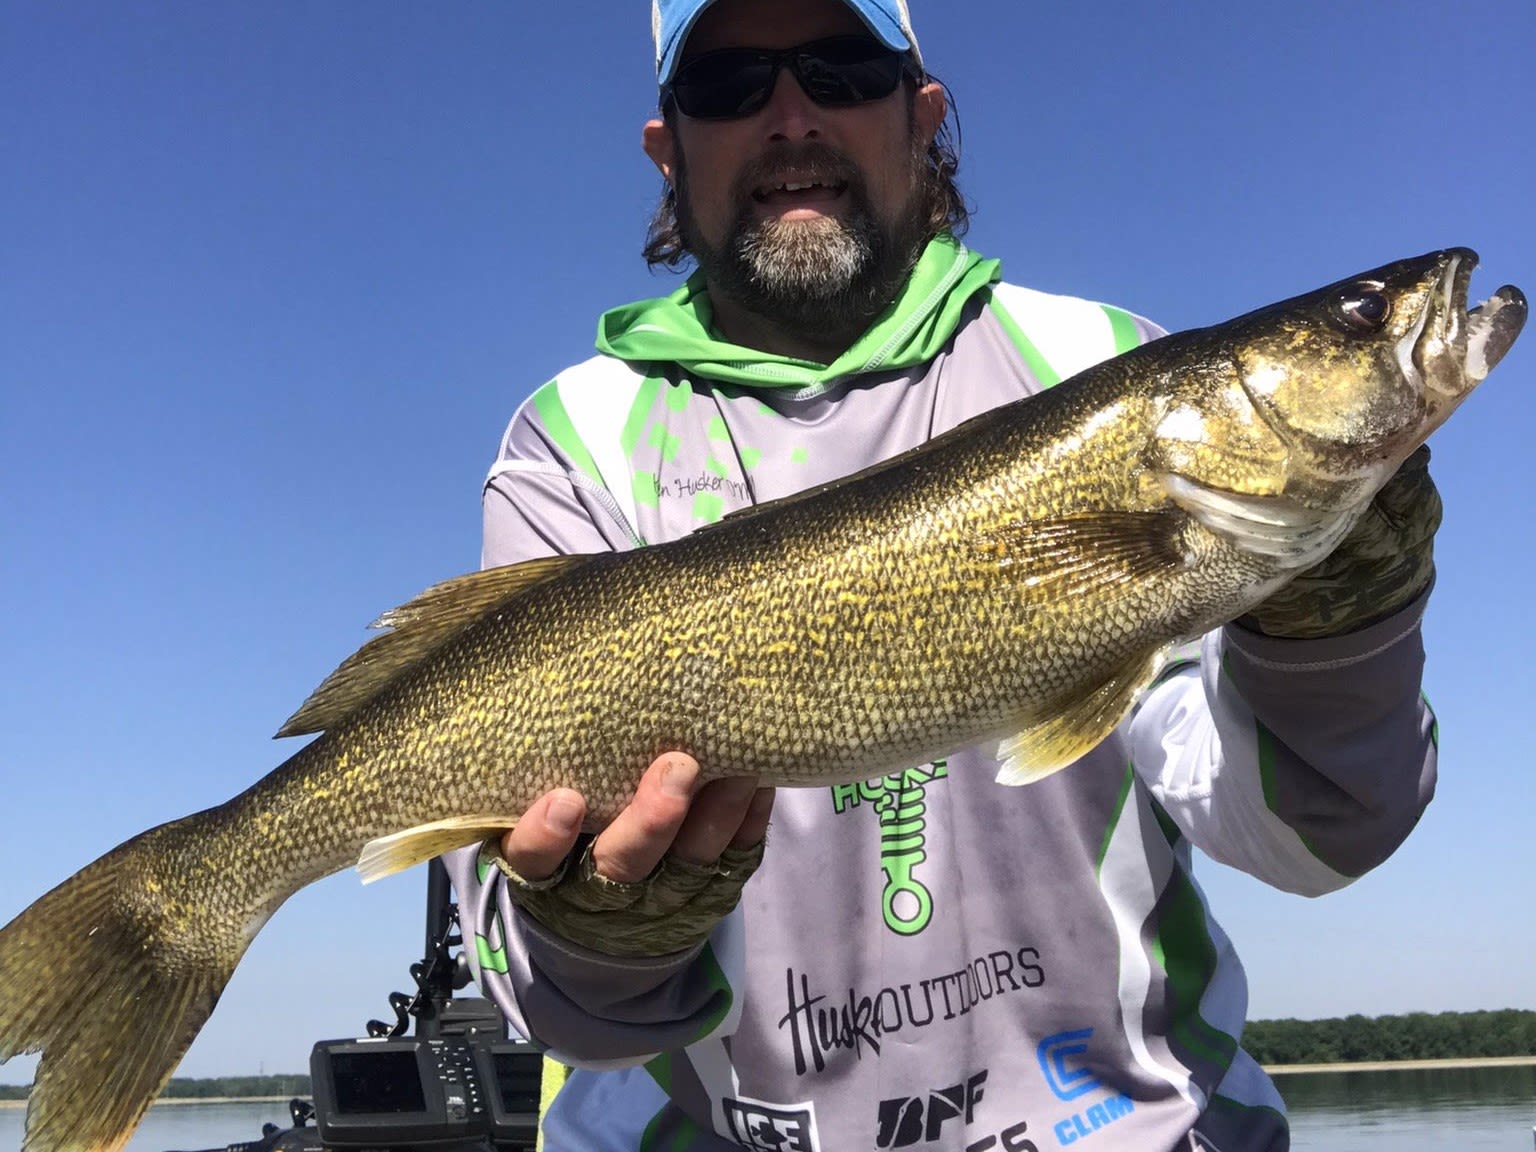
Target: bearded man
column 929, row 960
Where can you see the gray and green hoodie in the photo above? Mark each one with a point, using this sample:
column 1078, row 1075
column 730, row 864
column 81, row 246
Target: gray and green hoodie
column 932, row 960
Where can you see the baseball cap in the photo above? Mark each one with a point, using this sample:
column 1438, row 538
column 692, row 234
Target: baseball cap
column 672, row 20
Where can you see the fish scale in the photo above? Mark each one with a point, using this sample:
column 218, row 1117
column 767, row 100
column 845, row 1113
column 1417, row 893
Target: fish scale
column 1018, row 579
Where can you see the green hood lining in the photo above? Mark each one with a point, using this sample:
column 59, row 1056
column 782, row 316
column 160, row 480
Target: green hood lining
column 677, row 329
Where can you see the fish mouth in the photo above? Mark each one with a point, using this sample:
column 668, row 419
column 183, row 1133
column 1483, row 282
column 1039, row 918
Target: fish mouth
column 1457, row 346
column 1492, row 327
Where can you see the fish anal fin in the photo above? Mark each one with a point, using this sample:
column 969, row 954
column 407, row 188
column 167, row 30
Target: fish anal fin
column 1071, row 733
column 401, row 850
column 1088, row 552
column 415, row 629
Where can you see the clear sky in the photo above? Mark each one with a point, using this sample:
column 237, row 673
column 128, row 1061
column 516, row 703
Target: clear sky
column 273, row 277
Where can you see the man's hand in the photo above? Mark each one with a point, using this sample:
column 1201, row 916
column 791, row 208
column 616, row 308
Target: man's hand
column 1386, row 561
column 657, row 879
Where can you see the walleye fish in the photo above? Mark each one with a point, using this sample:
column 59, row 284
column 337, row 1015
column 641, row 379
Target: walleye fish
column 1016, row 579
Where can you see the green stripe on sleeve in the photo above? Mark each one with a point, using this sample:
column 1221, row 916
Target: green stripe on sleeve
column 687, row 1132
column 1264, row 742
column 1264, row 739
column 1042, row 371
column 491, row 959
column 1127, row 336
column 639, row 411
column 1184, row 949
column 650, row 1139
column 557, row 422
column 726, row 996
column 660, row 1069
column 1114, row 821
column 1171, row 831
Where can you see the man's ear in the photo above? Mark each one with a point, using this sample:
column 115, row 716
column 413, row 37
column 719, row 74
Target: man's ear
column 661, row 146
column 930, row 110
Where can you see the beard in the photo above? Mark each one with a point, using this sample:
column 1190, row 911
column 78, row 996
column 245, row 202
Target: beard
column 828, row 277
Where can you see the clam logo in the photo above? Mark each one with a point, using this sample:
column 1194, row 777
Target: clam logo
column 1058, row 1056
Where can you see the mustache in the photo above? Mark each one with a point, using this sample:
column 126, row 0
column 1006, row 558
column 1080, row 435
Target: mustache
column 804, row 160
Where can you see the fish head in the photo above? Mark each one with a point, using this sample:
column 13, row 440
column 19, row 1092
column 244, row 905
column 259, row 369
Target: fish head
column 1355, row 376
column 1290, row 419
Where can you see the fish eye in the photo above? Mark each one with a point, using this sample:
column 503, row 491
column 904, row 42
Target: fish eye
column 1363, row 311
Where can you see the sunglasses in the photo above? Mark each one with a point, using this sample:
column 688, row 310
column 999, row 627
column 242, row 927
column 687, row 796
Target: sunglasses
column 837, row 72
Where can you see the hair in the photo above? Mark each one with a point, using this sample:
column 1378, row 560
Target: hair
column 944, row 207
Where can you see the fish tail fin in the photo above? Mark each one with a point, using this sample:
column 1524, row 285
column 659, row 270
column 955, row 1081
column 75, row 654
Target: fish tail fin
column 97, row 976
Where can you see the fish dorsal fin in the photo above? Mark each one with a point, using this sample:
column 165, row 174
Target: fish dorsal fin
column 415, row 629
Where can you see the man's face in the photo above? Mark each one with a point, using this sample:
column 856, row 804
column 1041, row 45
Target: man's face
column 794, row 254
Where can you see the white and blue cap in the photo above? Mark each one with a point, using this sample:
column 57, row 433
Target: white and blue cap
column 673, row 20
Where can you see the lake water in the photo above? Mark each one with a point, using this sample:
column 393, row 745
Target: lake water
column 180, row 1127
column 1444, row 1110
column 1452, row 1110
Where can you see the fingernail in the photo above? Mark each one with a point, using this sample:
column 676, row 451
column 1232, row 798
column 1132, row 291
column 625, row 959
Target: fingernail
column 563, row 816
column 679, row 776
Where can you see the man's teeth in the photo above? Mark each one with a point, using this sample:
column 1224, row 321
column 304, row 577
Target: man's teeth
column 834, row 188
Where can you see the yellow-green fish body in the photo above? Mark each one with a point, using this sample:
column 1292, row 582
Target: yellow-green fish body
column 1017, row 579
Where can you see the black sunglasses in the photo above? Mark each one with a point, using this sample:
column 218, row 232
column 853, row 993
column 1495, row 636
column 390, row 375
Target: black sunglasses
column 837, row 72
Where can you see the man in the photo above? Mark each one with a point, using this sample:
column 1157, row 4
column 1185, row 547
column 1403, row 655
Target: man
column 930, row 960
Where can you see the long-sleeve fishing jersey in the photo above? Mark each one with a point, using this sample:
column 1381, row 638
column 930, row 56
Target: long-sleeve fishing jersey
column 932, row 959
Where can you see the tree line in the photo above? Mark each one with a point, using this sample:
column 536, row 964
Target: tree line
column 1415, row 1036
column 293, row 1084
column 1348, row 1039
column 206, row 1088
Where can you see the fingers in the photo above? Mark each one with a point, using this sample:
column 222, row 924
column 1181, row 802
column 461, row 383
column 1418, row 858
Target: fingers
column 538, row 843
column 640, row 836
column 669, row 813
column 754, row 827
column 672, row 814
column 715, row 820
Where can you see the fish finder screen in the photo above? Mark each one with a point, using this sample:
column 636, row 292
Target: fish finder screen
column 377, row 1082
column 517, row 1081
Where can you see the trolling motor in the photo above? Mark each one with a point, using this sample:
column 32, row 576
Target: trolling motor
column 460, row 1084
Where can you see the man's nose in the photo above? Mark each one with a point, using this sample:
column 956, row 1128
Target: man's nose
column 790, row 114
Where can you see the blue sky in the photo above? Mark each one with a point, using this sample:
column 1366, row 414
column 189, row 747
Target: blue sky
column 273, row 276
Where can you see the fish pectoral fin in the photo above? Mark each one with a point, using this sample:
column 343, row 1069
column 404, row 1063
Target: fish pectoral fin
column 1291, row 534
column 401, row 850
column 415, row 629
column 1073, row 732
column 1088, row 552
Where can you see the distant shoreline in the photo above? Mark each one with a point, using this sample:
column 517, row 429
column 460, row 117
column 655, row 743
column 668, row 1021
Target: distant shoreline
column 177, row 1101
column 1404, row 1065
column 1272, row 1069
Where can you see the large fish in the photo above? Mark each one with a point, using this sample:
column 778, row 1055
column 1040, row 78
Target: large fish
column 1016, row 579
